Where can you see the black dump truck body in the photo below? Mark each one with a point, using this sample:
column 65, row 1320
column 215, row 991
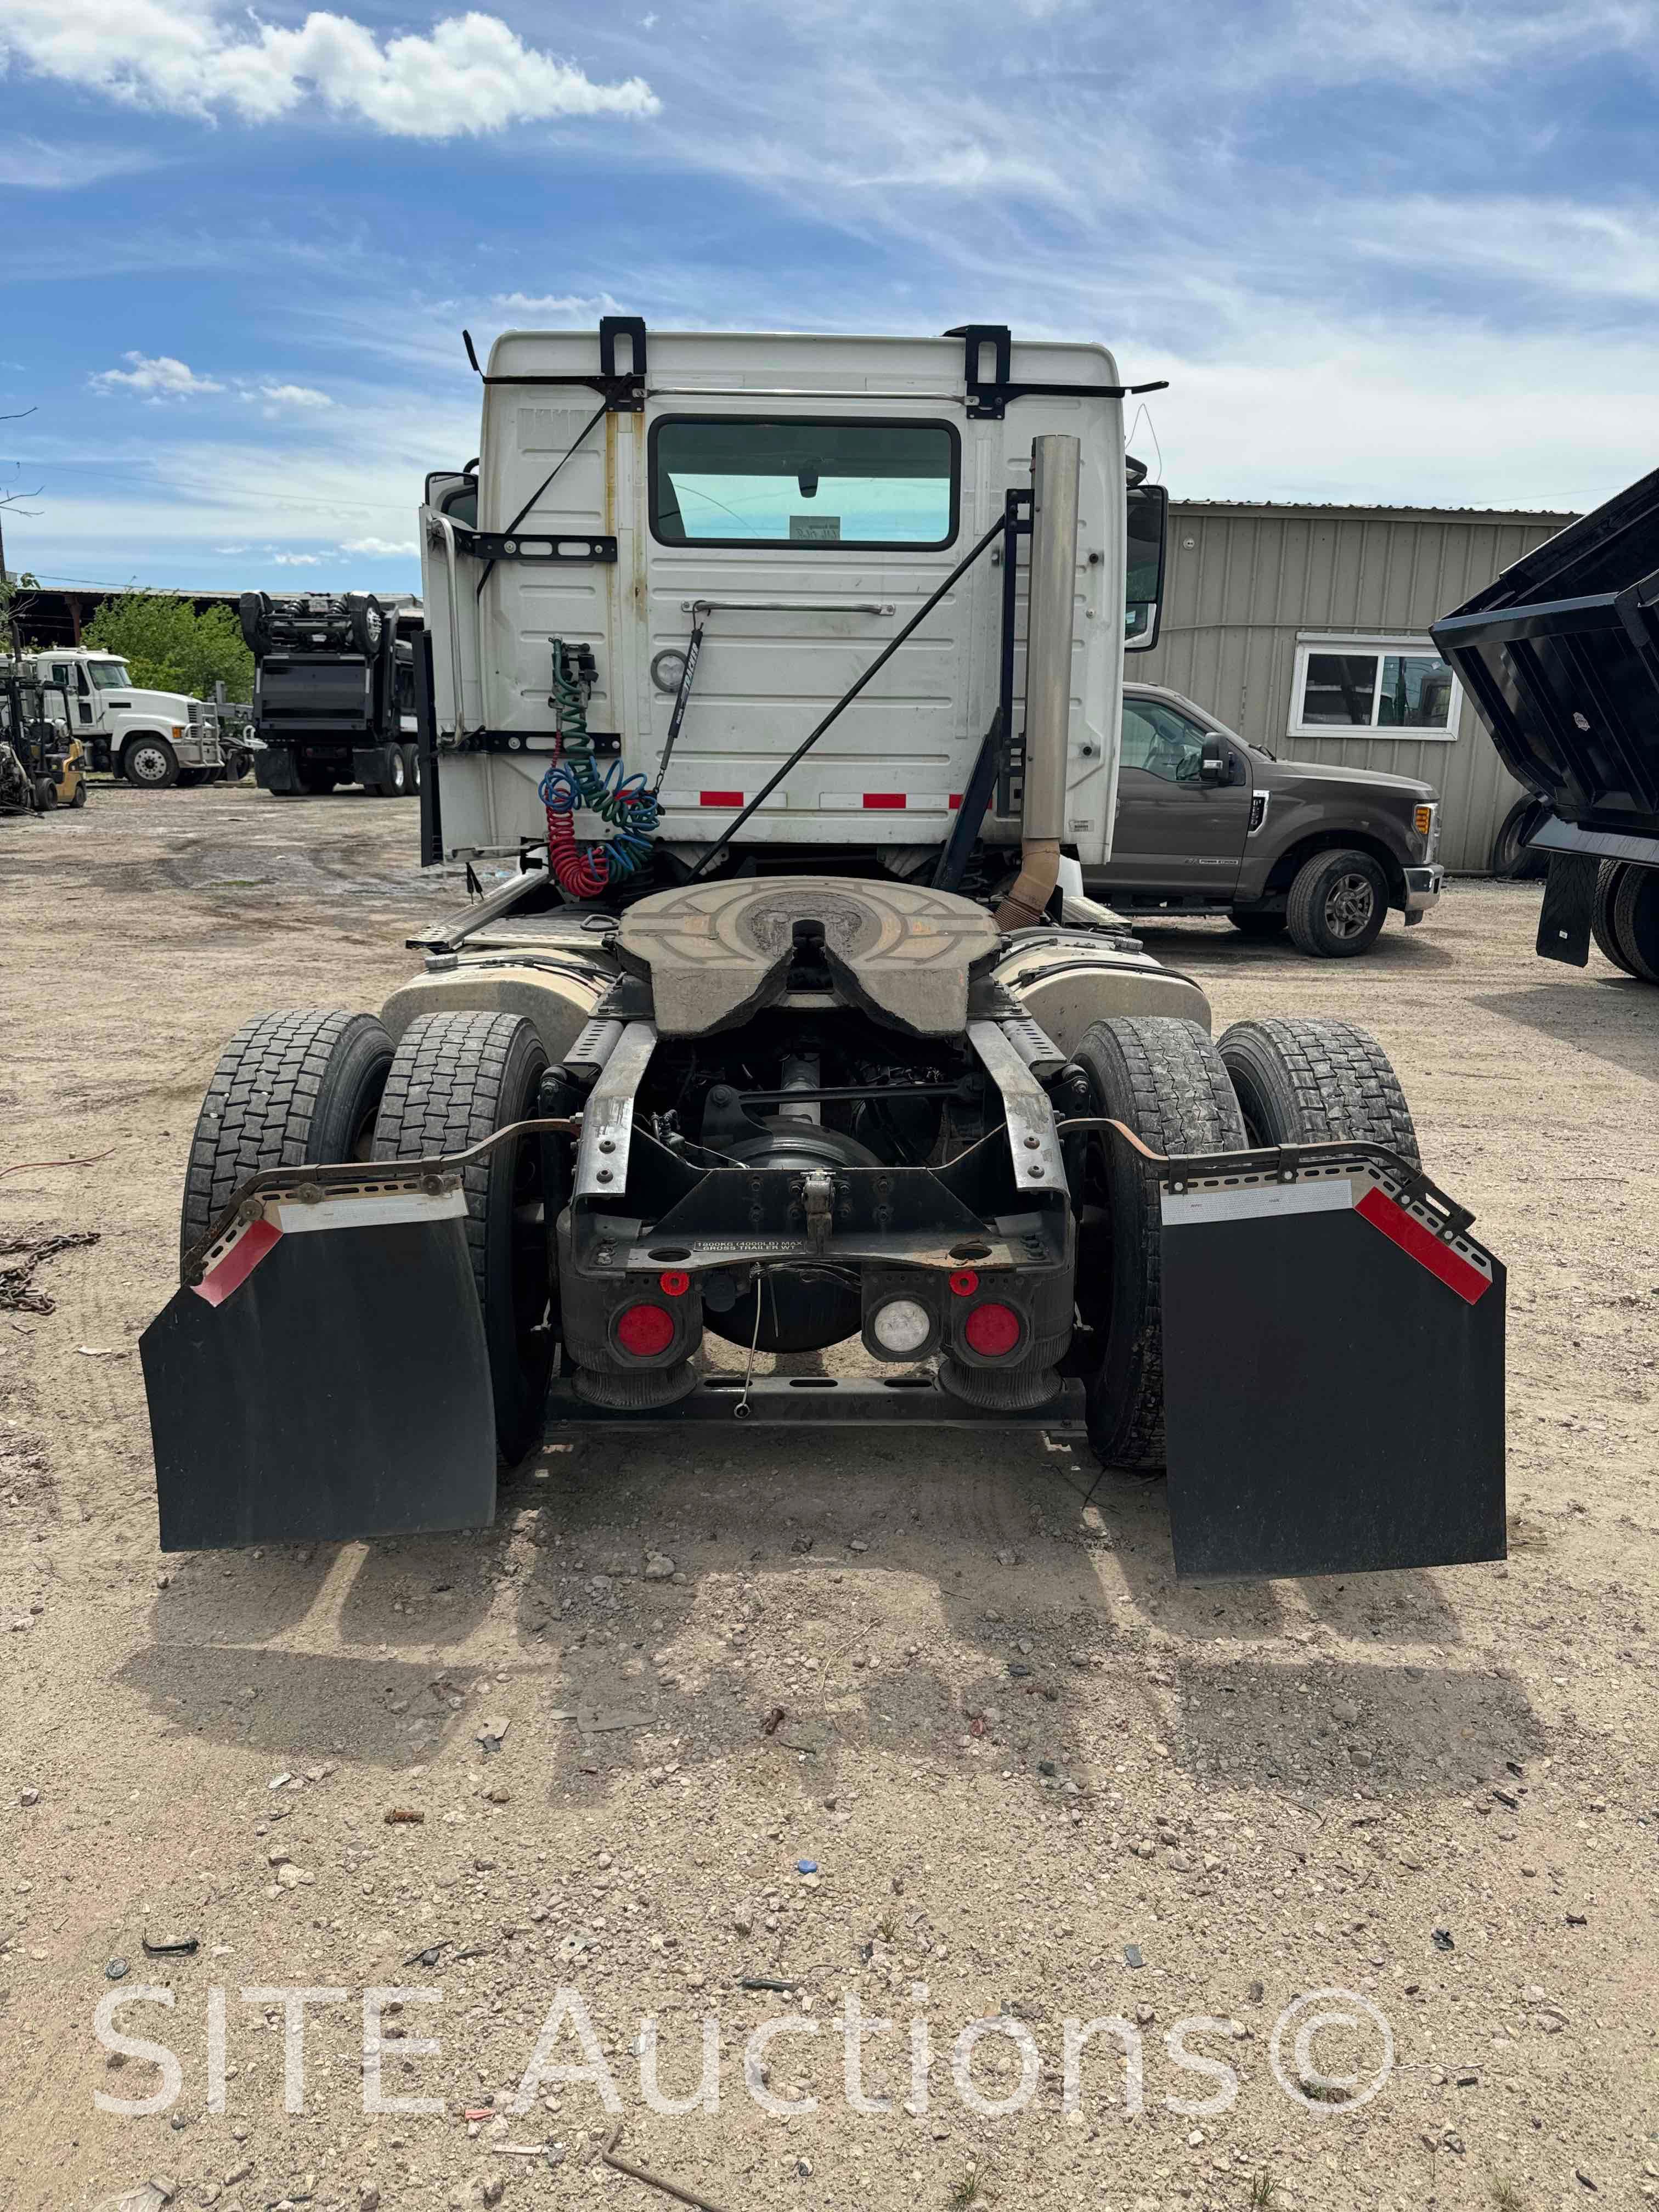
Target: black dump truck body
column 334, row 698
column 1560, row 655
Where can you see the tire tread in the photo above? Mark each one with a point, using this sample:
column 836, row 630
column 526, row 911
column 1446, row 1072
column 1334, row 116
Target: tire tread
column 1332, row 1078
column 1179, row 1099
column 260, row 1107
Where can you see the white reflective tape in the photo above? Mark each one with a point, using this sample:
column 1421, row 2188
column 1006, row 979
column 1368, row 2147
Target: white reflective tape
column 368, row 1209
column 1258, row 1201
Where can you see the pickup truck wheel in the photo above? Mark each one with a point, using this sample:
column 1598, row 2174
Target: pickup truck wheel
column 456, row 1079
column 1635, row 921
column 1337, row 905
column 1257, row 925
column 150, row 761
column 1303, row 1079
column 1165, row 1080
column 295, row 1089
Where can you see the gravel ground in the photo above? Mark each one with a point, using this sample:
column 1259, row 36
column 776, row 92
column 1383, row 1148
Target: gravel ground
column 1015, row 1749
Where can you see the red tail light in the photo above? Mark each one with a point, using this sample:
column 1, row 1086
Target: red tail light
column 992, row 1330
column 643, row 1331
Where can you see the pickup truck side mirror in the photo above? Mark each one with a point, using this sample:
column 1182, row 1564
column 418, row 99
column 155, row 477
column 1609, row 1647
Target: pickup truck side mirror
column 1213, row 766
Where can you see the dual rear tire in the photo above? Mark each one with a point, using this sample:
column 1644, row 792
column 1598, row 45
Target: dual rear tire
column 1299, row 1080
column 305, row 1089
column 1624, row 918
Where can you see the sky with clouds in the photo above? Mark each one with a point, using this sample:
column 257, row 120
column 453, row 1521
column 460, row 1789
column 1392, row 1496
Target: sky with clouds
column 1400, row 253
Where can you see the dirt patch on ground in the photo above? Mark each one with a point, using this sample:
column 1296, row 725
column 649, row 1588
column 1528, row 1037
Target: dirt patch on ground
column 1033, row 1777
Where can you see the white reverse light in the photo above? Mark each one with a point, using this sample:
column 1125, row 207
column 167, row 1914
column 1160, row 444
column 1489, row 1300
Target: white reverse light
column 902, row 1325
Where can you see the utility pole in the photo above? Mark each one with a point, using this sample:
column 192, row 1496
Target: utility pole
column 7, row 597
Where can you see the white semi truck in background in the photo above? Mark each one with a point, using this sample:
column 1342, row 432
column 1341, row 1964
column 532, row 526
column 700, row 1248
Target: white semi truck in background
column 151, row 738
column 785, row 671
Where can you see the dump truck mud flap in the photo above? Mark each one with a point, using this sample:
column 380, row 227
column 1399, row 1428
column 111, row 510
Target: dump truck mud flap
column 325, row 1378
column 1333, row 1370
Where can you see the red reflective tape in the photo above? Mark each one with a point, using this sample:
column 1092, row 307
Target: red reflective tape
column 719, row 799
column 1422, row 1245
column 956, row 799
column 886, row 798
column 238, row 1264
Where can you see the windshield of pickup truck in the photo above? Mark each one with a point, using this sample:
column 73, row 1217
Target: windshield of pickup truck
column 109, row 675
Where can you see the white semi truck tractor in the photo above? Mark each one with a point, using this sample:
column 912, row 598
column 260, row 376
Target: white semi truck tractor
column 780, row 677
column 150, row 739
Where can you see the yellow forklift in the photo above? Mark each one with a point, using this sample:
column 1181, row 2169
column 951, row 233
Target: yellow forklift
column 42, row 766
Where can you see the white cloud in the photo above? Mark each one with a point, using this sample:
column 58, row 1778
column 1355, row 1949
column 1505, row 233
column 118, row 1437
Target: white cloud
column 295, row 395
column 32, row 165
column 298, row 560
column 404, row 548
column 563, row 305
column 471, row 74
column 161, row 378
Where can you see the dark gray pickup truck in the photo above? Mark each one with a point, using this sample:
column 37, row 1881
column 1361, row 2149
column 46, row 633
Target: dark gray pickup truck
column 1207, row 823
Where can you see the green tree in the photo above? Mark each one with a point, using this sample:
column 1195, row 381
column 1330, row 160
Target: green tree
column 170, row 647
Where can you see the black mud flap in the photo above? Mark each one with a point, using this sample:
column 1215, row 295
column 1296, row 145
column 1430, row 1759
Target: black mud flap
column 1334, row 1377
column 1564, row 920
column 326, row 1380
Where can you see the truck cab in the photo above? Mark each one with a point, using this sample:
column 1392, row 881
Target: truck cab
column 152, row 739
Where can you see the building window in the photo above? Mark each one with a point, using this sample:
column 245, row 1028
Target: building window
column 1394, row 687
column 800, row 482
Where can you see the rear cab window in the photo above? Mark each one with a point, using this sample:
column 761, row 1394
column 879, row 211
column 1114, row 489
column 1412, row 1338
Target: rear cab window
column 801, row 481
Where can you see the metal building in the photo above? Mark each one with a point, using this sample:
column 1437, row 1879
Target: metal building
column 1306, row 629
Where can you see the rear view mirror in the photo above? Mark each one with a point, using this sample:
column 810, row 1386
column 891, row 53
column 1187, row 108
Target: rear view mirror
column 1143, row 579
column 1212, row 767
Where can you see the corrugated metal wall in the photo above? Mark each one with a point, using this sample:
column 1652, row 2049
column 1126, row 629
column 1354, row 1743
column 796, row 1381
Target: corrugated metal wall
column 1243, row 582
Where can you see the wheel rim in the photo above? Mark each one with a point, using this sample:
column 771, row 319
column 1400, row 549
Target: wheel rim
column 148, row 763
column 399, row 773
column 1349, row 905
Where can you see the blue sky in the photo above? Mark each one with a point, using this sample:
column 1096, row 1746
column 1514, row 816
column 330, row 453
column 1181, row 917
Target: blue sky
column 1405, row 253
